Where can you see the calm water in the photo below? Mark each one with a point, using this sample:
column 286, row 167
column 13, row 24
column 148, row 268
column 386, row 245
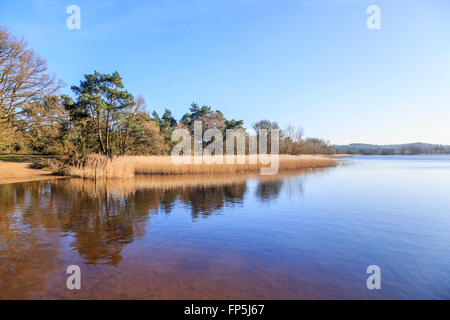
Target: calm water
column 308, row 234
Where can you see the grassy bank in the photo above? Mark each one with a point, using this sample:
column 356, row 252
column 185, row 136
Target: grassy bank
column 23, row 157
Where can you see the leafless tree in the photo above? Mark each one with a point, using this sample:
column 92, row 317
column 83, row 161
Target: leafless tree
column 24, row 80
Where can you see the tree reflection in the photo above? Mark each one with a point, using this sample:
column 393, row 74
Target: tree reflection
column 269, row 190
column 99, row 218
column 29, row 247
column 204, row 201
column 101, row 225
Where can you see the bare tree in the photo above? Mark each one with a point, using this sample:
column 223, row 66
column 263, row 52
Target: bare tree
column 291, row 140
column 24, row 80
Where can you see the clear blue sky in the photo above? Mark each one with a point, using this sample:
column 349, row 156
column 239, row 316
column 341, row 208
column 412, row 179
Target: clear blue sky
column 309, row 63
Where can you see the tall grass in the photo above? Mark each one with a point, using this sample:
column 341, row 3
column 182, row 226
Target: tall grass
column 96, row 166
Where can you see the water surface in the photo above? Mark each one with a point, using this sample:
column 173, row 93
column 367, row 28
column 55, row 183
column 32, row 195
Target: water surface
column 299, row 235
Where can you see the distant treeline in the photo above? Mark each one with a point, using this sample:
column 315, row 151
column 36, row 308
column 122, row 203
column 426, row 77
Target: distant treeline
column 395, row 149
column 101, row 116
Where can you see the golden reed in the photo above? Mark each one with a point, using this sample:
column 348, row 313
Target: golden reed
column 96, row 166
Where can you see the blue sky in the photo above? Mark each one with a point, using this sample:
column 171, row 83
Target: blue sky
column 308, row 63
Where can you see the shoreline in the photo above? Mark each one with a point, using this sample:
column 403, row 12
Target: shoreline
column 344, row 155
column 16, row 172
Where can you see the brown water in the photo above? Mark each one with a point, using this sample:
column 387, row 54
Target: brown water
column 306, row 234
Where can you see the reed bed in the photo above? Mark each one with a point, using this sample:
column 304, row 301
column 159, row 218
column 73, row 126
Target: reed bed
column 96, row 166
column 164, row 165
column 102, row 167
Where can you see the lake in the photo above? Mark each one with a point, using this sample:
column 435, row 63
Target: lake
column 307, row 234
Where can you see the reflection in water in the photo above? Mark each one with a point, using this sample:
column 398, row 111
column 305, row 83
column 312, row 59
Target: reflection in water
column 100, row 218
column 28, row 247
column 269, row 190
column 206, row 200
column 233, row 237
column 290, row 236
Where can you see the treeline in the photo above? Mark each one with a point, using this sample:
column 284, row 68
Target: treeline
column 101, row 117
column 399, row 149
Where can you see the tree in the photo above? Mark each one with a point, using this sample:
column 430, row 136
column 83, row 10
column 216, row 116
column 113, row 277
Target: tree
column 167, row 120
column 195, row 113
column 146, row 138
column 209, row 120
column 234, row 124
column 24, row 84
column 138, row 133
column 109, row 120
column 317, row 146
column 7, row 137
column 100, row 99
column 46, row 127
column 291, row 140
column 266, row 125
column 24, row 80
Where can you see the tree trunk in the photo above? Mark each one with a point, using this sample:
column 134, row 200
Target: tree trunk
column 107, row 134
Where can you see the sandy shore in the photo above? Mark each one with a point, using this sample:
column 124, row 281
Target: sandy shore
column 12, row 172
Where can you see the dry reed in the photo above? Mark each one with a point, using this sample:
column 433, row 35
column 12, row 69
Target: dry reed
column 100, row 167
column 96, row 166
